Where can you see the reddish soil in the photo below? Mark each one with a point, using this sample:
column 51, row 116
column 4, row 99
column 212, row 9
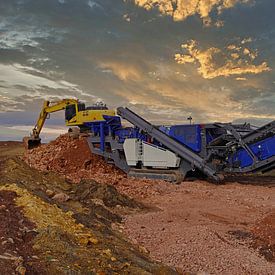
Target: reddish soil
column 9, row 144
column 72, row 158
column 264, row 233
column 16, row 253
column 209, row 228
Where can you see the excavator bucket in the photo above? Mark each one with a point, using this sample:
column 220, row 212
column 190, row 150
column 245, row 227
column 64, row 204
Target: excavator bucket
column 30, row 142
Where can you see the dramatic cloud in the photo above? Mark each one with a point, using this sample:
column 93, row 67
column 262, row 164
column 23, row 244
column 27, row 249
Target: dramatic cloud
column 214, row 62
column 179, row 10
column 16, row 74
column 94, row 4
column 7, row 104
column 167, row 95
column 122, row 70
column 17, row 36
column 171, row 101
column 122, row 52
column 20, row 84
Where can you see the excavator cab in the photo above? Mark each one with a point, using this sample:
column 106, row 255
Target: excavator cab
column 72, row 109
column 70, row 112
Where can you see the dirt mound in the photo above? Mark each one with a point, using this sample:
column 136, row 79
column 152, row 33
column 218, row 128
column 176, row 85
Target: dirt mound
column 88, row 190
column 72, row 158
column 264, row 234
column 73, row 234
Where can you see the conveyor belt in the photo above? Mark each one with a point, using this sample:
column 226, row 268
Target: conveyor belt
column 260, row 133
column 185, row 153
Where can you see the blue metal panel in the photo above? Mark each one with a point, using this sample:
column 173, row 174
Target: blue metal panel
column 102, row 136
column 110, row 124
column 209, row 137
column 263, row 150
column 129, row 132
column 189, row 135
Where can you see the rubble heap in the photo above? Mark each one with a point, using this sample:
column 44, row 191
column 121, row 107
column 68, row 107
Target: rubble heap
column 72, row 158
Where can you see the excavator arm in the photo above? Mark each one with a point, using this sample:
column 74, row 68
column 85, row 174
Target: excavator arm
column 48, row 107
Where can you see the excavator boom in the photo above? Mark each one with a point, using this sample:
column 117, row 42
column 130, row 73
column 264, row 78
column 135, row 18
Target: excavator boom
column 48, row 107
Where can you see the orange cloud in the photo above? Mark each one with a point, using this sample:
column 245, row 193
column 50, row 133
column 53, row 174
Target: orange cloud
column 179, row 10
column 123, row 71
column 241, row 78
column 214, row 62
column 211, row 104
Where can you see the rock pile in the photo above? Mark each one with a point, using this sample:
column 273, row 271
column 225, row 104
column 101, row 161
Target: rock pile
column 72, row 158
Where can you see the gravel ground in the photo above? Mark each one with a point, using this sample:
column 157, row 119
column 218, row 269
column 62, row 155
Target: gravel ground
column 201, row 227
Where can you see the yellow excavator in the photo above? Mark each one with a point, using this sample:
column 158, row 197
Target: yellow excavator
column 76, row 114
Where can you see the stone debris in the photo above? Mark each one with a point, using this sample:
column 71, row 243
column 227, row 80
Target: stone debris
column 61, row 197
column 229, row 232
column 50, row 193
column 73, row 159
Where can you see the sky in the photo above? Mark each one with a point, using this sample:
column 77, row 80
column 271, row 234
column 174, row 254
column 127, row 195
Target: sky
column 165, row 59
